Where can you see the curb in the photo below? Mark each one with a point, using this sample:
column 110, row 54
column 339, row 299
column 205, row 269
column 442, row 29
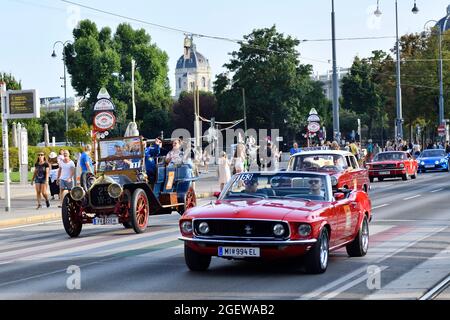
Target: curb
column 30, row 220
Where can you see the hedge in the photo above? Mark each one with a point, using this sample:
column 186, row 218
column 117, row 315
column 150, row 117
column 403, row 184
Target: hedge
column 32, row 155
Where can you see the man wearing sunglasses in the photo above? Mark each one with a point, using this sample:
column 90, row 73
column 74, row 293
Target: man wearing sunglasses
column 315, row 187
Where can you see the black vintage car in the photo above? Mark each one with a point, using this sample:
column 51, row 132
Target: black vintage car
column 120, row 192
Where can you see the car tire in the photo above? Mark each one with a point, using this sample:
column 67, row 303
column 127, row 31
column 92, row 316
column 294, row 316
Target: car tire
column 196, row 261
column 70, row 216
column 190, row 201
column 405, row 177
column 139, row 211
column 414, row 176
column 381, row 179
column 360, row 245
column 317, row 257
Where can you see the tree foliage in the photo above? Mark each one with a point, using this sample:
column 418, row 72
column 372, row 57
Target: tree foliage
column 279, row 90
column 101, row 59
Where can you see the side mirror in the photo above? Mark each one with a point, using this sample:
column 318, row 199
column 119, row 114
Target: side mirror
column 339, row 196
column 217, row 195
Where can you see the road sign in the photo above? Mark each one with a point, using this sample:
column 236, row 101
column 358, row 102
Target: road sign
column 313, row 127
column 104, row 105
column 103, row 94
column 22, row 104
column 104, row 121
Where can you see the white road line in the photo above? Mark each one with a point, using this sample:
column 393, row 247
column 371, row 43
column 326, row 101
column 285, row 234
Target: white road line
column 434, row 191
column 345, row 287
column 381, row 206
column 29, row 225
column 413, row 197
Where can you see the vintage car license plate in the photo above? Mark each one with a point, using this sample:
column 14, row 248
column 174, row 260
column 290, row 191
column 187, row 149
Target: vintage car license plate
column 106, row 221
column 385, row 173
column 429, row 166
column 239, row 252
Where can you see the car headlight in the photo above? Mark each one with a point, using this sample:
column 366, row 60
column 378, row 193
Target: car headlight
column 203, row 228
column 304, row 230
column 77, row 193
column 437, row 162
column 115, row 190
column 186, row 227
column 278, row 230
column 422, row 163
column 334, row 181
column 402, row 165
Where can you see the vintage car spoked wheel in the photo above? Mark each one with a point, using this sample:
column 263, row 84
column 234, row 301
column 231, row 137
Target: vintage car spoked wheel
column 196, row 261
column 71, row 217
column 139, row 211
column 190, row 201
column 360, row 246
column 317, row 257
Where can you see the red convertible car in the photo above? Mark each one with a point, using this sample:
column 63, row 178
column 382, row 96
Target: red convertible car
column 341, row 165
column 392, row 164
column 277, row 215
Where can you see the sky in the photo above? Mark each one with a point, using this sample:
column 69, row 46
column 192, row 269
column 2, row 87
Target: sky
column 31, row 27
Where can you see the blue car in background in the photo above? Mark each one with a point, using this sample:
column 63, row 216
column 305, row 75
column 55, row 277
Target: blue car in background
column 433, row 159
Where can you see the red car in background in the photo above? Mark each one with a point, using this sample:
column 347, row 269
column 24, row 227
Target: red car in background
column 342, row 166
column 392, row 164
column 270, row 215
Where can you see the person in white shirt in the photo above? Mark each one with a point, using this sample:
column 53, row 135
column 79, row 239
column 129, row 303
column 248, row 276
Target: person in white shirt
column 224, row 170
column 66, row 175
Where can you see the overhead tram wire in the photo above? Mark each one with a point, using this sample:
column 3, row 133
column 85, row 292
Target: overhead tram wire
column 235, row 41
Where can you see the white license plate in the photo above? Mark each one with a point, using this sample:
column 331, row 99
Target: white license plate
column 429, row 166
column 385, row 173
column 239, row 252
column 105, row 221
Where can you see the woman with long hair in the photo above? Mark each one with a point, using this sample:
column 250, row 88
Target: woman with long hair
column 40, row 179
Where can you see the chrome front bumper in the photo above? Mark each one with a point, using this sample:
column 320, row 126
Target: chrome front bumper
column 281, row 243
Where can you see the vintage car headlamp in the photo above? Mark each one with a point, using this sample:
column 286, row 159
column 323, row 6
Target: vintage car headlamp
column 77, row 193
column 436, row 163
column 203, row 228
column 278, row 230
column 186, row 227
column 334, row 181
column 304, row 230
column 115, row 190
column 402, row 165
column 422, row 163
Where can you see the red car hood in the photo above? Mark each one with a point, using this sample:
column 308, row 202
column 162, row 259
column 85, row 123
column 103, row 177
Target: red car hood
column 258, row 209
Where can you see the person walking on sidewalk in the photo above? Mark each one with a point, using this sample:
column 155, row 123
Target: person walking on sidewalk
column 65, row 175
column 54, row 168
column 86, row 160
column 224, row 170
column 40, row 179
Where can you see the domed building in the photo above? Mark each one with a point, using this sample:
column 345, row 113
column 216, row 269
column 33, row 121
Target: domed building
column 192, row 68
column 445, row 21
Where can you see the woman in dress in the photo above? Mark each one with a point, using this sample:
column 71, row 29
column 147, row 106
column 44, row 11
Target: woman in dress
column 54, row 167
column 224, row 170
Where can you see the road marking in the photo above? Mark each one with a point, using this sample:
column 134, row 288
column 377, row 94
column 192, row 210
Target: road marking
column 434, row 191
column 381, row 206
column 340, row 290
column 436, row 289
column 29, row 225
column 413, row 197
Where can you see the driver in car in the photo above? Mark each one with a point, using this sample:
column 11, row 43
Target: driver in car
column 315, row 187
column 251, row 186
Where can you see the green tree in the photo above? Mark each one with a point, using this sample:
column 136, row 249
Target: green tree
column 103, row 59
column 79, row 135
column 279, row 89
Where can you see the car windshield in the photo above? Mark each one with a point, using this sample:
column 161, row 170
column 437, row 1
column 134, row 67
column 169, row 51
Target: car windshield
column 120, row 154
column 284, row 185
column 433, row 153
column 323, row 163
column 390, row 156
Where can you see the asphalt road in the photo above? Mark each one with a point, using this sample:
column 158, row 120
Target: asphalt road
column 409, row 254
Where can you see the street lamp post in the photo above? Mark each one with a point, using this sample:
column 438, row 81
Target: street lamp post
column 336, row 128
column 399, row 119
column 64, row 44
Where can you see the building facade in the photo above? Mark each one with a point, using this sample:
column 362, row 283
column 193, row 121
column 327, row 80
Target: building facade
column 327, row 81
column 51, row 104
column 192, row 68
